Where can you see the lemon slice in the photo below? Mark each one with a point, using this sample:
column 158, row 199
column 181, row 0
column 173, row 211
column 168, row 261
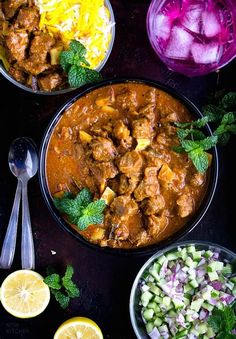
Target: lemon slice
column 78, row 328
column 24, row 294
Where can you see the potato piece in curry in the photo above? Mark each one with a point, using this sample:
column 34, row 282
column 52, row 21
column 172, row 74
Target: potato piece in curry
column 151, row 191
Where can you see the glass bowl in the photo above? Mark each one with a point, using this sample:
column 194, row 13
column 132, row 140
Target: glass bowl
column 135, row 308
column 69, row 89
column 193, row 37
column 190, row 225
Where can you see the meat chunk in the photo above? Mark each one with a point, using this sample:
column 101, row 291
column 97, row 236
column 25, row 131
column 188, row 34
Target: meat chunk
column 127, row 99
column 102, row 171
column 172, row 117
column 40, row 46
column 127, row 185
column 17, row 74
column 131, row 164
column 198, row 179
column 152, row 158
column 28, row 18
column 120, row 130
column 142, row 128
column 124, row 206
column 17, row 42
column 32, row 67
column 103, row 149
column 185, row 205
column 11, row 6
column 156, row 225
column 153, row 205
column 148, row 112
column 149, row 186
column 50, row 82
column 151, row 96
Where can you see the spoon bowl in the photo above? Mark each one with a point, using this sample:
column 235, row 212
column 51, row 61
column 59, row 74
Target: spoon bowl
column 23, row 163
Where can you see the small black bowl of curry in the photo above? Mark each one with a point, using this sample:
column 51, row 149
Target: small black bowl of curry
column 116, row 140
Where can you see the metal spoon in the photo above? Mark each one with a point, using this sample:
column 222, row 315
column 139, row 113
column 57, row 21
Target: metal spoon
column 23, row 162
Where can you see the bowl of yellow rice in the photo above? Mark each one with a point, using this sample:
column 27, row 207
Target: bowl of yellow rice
column 89, row 22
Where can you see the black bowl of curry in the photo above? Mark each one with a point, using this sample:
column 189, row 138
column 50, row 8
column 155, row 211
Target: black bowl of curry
column 114, row 142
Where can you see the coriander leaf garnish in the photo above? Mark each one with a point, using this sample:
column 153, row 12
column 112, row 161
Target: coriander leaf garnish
column 81, row 210
column 74, row 63
column 62, row 287
column 223, row 321
column 222, row 114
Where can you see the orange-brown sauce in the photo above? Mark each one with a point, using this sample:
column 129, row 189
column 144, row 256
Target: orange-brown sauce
column 157, row 190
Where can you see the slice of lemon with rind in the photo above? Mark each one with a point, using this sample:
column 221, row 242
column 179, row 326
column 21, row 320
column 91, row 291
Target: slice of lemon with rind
column 24, row 294
column 79, row 328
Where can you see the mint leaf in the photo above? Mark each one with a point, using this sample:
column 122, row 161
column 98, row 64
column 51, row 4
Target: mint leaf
column 199, row 159
column 79, row 76
column 53, row 281
column 96, row 207
column 189, row 145
column 178, row 149
column 228, row 101
column 70, row 287
column 87, row 220
column 213, row 112
column 228, row 118
column 77, row 47
column 215, row 320
column 183, row 133
column 61, row 298
column 66, row 59
column 208, row 142
column 84, row 197
column 199, row 123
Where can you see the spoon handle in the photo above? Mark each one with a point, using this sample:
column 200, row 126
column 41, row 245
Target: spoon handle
column 27, row 243
column 9, row 243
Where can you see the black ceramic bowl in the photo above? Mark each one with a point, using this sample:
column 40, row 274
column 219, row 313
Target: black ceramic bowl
column 189, row 226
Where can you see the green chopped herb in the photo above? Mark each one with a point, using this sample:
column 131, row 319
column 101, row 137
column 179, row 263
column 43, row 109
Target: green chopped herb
column 62, row 287
column 223, row 322
column 81, row 210
column 74, row 63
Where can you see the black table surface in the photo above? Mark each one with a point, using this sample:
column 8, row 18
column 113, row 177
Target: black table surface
column 105, row 280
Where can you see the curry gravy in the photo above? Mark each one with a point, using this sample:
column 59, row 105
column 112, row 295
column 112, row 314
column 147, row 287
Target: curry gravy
column 121, row 136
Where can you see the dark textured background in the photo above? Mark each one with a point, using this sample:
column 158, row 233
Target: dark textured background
column 105, row 280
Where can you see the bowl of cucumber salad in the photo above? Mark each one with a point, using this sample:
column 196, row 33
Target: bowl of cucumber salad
column 187, row 290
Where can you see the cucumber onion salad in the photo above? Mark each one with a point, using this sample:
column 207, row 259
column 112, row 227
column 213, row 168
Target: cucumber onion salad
column 181, row 289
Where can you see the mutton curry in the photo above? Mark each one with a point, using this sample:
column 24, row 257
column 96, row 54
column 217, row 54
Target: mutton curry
column 117, row 141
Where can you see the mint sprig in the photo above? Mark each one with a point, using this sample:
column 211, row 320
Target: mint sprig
column 74, row 63
column 81, row 210
column 62, row 287
column 222, row 114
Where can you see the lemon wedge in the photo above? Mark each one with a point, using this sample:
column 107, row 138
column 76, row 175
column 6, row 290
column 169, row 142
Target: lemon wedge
column 24, row 294
column 79, row 328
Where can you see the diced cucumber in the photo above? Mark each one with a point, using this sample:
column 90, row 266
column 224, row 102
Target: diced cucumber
column 166, row 301
column 148, row 313
column 196, row 304
column 193, row 283
column 163, row 328
column 172, row 313
column 207, row 306
column 172, row 256
column 191, row 249
column 162, row 259
column 152, row 305
column 178, row 303
column 230, row 285
column 210, row 333
column 158, row 299
column 154, row 273
column 213, row 276
column 149, row 327
column 157, row 322
column 208, row 254
column 216, row 266
column 155, row 289
column 146, row 297
column 190, row 263
column 157, row 267
column 186, row 301
column 202, row 328
column 197, row 255
column 215, row 294
column 227, row 269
